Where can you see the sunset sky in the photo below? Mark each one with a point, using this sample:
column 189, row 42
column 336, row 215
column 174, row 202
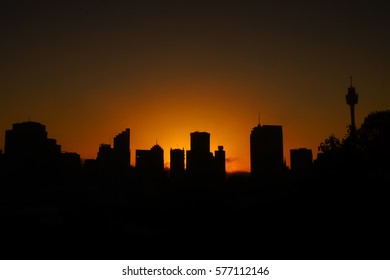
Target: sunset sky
column 90, row 69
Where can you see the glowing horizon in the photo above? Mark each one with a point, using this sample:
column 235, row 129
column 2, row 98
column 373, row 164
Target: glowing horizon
column 165, row 69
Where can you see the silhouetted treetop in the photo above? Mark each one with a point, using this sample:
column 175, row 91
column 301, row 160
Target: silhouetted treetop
column 374, row 135
column 332, row 143
column 366, row 151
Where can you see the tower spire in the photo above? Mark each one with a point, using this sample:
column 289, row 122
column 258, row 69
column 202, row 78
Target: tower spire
column 352, row 100
column 259, row 119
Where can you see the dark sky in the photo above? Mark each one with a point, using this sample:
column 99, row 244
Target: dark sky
column 89, row 69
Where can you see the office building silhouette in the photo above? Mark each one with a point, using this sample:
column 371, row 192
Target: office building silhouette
column 301, row 161
column 266, row 151
column 150, row 162
column 199, row 158
column 105, row 156
column 117, row 157
column 220, row 163
column 200, row 142
column 177, row 163
column 122, row 148
column 27, row 146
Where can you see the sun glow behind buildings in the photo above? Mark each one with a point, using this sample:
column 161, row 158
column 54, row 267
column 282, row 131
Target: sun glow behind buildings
column 168, row 113
column 167, row 69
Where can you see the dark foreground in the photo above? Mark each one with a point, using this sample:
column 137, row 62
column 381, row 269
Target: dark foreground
column 290, row 218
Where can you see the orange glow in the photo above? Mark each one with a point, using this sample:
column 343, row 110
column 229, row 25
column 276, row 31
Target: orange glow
column 167, row 114
column 165, row 71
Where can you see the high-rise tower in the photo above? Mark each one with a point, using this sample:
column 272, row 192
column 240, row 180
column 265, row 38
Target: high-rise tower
column 177, row 163
column 122, row 148
column 199, row 158
column 266, row 150
column 352, row 100
column 150, row 163
column 220, row 163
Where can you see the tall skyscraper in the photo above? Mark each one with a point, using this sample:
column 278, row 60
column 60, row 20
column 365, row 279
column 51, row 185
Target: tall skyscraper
column 177, row 163
column 352, row 100
column 157, row 160
column 220, row 163
column 199, row 158
column 200, row 142
column 150, row 162
column 117, row 157
column 266, row 150
column 122, row 148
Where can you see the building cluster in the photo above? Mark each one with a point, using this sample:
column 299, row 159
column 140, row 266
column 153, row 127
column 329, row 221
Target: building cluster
column 117, row 157
column 199, row 162
column 28, row 146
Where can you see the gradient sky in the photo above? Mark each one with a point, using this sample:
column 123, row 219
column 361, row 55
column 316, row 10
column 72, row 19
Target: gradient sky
column 90, row 69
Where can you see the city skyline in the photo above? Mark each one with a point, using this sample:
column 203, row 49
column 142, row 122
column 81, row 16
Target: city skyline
column 286, row 152
column 167, row 68
column 230, row 168
column 118, row 154
column 55, row 206
column 233, row 90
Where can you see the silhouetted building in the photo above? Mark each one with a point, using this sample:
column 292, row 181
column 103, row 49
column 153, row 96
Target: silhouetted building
column 220, row 163
column 105, row 156
column 122, row 148
column 266, row 150
column 150, row 162
column 177, row 163
column 200, row 142
column 352, row 100
column 301, row 161
column 142, row 160
column 157, row 160
column 199, row 158
column 70, row 161
column 27, row 146
column 118, row 157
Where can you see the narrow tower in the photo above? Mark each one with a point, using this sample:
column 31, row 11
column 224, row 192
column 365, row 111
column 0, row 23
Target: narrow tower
column 352, row 100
